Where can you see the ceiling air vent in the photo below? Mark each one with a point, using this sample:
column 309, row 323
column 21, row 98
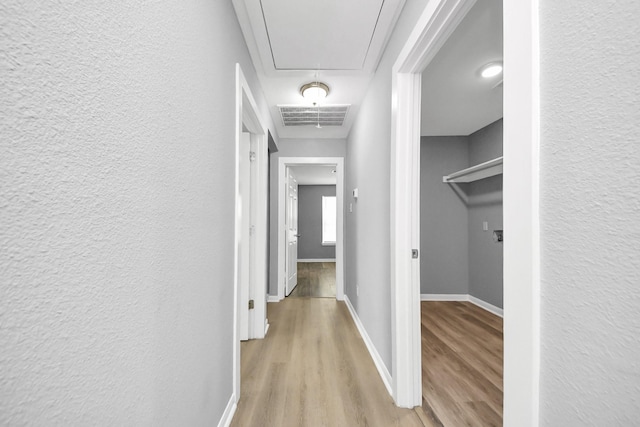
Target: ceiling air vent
column 326, row 115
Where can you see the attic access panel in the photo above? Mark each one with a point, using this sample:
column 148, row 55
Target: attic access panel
column 300, row 115
column 327, row 34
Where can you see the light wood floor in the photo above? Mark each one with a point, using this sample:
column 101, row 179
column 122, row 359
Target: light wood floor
column 316, row 279
column 462, row 348
column 313, row 369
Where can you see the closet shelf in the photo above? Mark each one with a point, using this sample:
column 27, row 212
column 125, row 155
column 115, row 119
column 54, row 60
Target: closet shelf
column 474, row 173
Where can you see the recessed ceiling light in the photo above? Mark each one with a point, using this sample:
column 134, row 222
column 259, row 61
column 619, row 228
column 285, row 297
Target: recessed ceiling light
column 491, row 70
column 314, row 91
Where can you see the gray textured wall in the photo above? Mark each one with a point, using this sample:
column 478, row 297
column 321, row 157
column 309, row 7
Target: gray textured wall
column 485, row 204
column 292, row 148
column 368, row 169
column 117, row 211
column 590, row 213
column 310, row 222
column 444, row 240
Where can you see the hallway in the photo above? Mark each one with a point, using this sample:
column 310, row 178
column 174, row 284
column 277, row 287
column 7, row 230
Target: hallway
column 313, row 369
column 316, row 279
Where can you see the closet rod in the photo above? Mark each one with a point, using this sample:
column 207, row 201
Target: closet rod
column 474, row 173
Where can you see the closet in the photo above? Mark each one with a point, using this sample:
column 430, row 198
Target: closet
column 461, row 217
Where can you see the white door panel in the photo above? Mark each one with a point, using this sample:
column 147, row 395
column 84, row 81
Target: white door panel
column 291, row 226
column 244, row 262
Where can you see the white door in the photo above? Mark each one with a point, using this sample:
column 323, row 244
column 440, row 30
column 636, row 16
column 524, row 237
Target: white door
column 244, row 263
column 291, row 226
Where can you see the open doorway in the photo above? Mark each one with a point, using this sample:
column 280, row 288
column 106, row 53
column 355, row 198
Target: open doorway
column 461, row 223
column 301, row 242
column 316, row 225
column 250, row 236
column 521, row 203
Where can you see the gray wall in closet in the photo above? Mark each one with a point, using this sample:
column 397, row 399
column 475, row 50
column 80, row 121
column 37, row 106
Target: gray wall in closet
column 443, row 217
column 485, row 204
column 458, row 256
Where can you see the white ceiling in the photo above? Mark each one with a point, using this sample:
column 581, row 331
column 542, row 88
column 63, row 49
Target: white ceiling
column 290, row 40
column 456, row 100
column 301, row 39
column 315, row 174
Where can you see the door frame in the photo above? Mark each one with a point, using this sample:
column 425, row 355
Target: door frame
column 283, row 162
column 289, row 176
column 521, row 203
column 248, row 116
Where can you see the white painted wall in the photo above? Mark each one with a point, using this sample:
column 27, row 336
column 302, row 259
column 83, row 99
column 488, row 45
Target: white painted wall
column 368, row 169
column 590, row 213
column 117, row 208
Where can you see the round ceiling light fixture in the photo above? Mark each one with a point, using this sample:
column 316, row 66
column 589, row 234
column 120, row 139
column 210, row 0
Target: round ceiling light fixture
column 491, row 70
column 314, row 91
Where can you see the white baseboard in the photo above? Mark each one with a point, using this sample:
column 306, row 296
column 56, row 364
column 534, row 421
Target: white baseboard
column 444, row 297
column 318, row 260
column 229, row 411
column 377, row 360
column 273, row 298
column 464, row 297
column 489, row 307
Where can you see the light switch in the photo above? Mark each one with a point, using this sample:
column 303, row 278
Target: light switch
column 355, row 193
column 485, row 226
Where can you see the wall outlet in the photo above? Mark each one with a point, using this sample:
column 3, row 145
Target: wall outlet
column 357, row 290
column 485, row 226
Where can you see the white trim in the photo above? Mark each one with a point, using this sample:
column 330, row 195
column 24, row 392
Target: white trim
column 377, row 360
column 283, row 162
column 247, row 116
column 317, row 260
column 273, row 298
column 521, row 201
column 437, row 22
column 229, row 411
column 444, row 297
column 487, row 306
column 464, row 297
column 521, row 213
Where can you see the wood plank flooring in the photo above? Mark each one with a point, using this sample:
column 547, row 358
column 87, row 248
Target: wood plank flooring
column 316, row 279
column 313, row 369
column 462, row 353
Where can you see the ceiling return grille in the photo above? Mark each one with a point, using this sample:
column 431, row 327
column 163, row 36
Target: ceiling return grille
column 325, row 115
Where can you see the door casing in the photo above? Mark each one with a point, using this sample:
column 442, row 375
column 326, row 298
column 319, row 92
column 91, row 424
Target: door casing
column 521, row 203
column 283, row 162
column 248, row 117
column 291, row 217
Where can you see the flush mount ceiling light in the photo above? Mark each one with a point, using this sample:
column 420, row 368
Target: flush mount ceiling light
column 491, row 70
column 314, row 91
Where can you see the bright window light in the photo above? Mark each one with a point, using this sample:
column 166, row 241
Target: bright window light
column 329, row 212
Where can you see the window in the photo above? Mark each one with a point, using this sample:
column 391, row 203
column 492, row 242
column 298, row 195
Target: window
column 329, row 220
